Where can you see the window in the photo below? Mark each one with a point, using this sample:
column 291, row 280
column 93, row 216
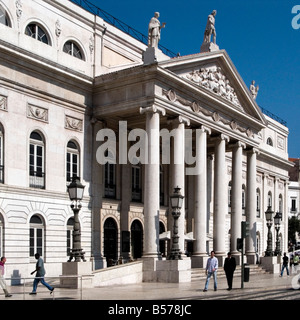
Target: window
column 229, row 196
column 136, row 187
column 110, row 176
column 258, row 203
column 161, row 186
column 269, row 199
column 4, row 17
column 70, row 227
column 72, row 160
column 36, row 240
column 35, row 31
column 243, row 199
column 73, row 49
column 280, row 202
column 294, row 206
column 1, row 236
column 270, row 142
column 36, row 161
column 1, row 156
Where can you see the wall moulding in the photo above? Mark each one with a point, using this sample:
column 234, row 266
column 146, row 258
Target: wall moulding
column 196, row 107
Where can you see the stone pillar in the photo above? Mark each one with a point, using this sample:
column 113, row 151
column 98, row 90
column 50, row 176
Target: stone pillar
column 151, row 186
column 251, row 205
column 220, row 197
column 179, row 171
column 236, row 197
column 200, row 256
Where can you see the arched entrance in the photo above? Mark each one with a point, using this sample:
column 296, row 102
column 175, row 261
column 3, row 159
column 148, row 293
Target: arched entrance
column 136, row 239
column 110, row 241
column 162, row 243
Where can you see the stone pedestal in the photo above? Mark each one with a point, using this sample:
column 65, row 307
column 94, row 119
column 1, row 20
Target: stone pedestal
column 77, row 275
column 153, row 55
column 173, row 271
column 199, row 261
column 271, row 264
column 209, row 47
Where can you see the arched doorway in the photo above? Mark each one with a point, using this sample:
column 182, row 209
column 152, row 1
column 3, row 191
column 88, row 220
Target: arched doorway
column 110, row 241
column 136, row 239
column 162, row 243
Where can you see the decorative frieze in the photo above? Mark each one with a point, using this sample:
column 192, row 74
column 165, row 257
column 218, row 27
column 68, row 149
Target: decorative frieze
column 215, row 81
column 37, row 113
column 73, row 123
column 197, row 108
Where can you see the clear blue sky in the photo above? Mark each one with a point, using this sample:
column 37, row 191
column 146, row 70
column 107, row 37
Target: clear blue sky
column 257, row 35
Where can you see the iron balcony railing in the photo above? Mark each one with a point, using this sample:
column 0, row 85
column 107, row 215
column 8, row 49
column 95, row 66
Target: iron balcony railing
column 87, row 5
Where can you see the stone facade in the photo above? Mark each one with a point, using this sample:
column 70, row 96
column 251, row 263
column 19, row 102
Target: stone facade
column 66, row 74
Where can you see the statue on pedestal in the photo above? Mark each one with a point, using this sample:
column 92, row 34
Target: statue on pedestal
column 210, row 30
column 154, row 31
column 253, row 89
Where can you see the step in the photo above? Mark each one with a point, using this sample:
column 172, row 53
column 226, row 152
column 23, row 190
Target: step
column 199, row 273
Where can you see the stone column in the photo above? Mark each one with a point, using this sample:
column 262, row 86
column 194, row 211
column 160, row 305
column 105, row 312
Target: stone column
column 179, row 171
column 151, row 185
column 220, row 197
column 236, row 197
column 251, row 205
column 199, row 257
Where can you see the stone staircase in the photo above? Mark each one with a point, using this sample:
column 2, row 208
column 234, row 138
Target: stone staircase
column 199, row 273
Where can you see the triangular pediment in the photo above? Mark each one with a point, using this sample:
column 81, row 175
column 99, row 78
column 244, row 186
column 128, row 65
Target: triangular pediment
column 212, row 78
column 215, row 74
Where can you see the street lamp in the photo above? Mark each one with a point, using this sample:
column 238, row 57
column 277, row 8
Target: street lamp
column 277, row 219
column 176, row 204
column 75, row 190
column 269, row 218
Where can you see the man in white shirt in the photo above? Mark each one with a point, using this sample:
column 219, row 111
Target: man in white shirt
column 211, row 269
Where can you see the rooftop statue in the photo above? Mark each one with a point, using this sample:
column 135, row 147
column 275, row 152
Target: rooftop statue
column 154, row 31
column 210, row 28
column 253, row 89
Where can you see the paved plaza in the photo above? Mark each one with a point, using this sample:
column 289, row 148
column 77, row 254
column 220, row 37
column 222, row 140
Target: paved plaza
column 260, row 287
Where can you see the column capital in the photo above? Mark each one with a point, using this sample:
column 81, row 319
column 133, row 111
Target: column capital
column 237, row 144
column 253, row 150
column 178, row 120
column 205, row 129
column 153, row 109
column 221, row 137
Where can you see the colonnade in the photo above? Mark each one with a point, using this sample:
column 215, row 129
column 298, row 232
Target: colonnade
column 220, row 187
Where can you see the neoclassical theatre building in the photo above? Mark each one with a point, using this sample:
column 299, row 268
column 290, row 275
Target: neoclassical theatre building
column 75, row 89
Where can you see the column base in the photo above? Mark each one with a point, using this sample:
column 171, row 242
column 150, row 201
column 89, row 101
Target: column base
column 270, row 264
column 173, row 271
column 199, row 261
column 221, row 258
column 77, row 275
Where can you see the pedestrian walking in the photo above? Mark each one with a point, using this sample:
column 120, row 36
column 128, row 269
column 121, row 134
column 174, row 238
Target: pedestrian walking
column 40, row 273
column 285, row 264
column 211, row 270
column 229, row 268
column 2, row 280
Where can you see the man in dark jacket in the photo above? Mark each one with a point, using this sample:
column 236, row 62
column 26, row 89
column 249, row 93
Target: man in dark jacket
column 229, row 267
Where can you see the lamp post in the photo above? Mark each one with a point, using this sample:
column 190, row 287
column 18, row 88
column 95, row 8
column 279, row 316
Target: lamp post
column 176, row 204
column 277, row 219
column 269, row 218
column 75, row 190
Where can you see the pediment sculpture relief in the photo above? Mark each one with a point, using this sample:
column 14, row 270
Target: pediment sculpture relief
column 214, row 80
